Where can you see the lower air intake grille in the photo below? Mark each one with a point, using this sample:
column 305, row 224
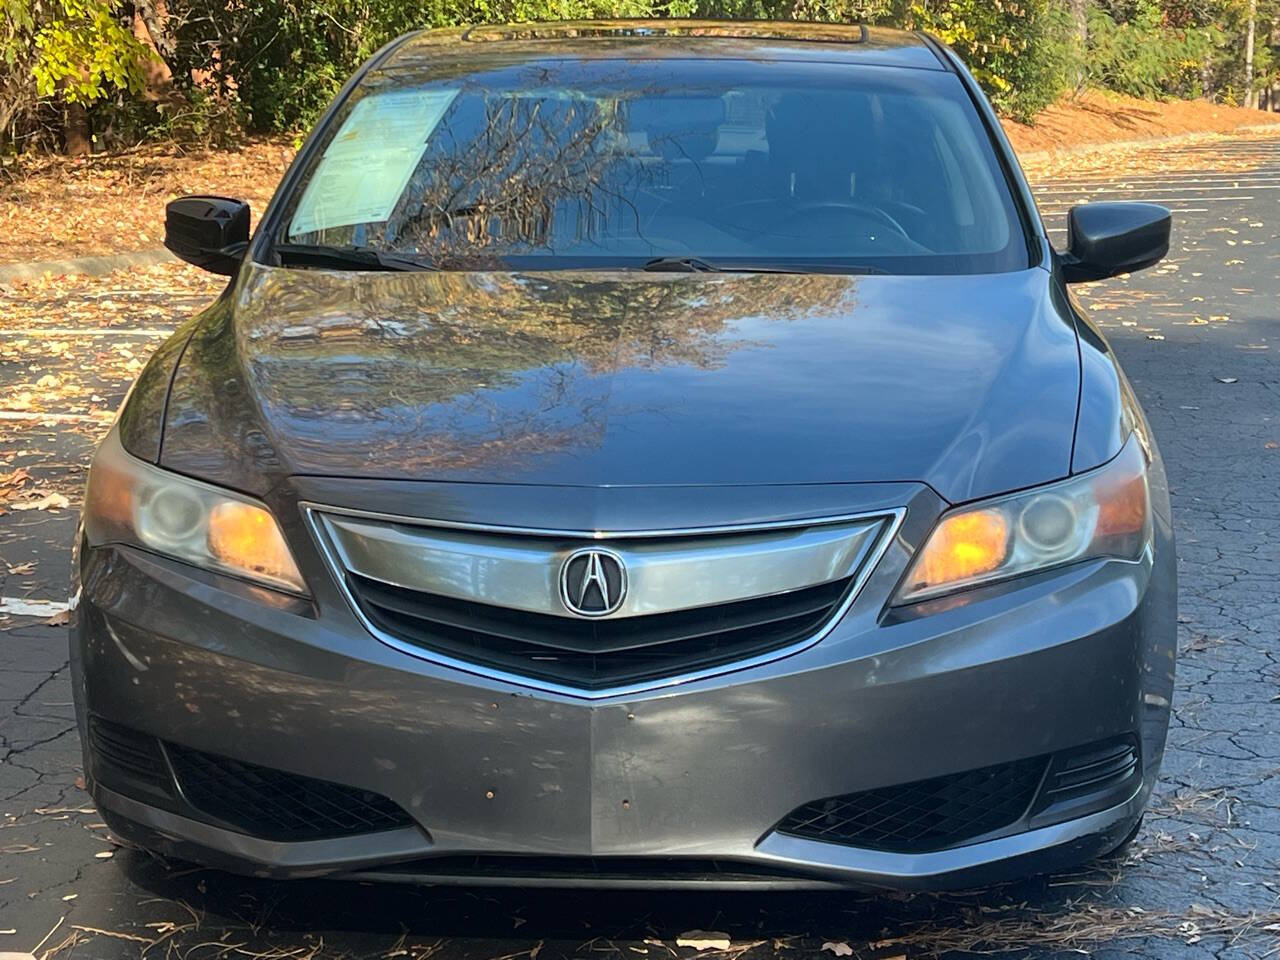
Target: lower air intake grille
column 127, row 761
column 1101, row 768
column 276, row 805
column 926, row 815
column 598, row 653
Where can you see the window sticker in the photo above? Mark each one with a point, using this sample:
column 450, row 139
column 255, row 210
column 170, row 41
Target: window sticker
column 367, row 166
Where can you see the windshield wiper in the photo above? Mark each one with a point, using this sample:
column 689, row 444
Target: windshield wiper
column 698, row 265
column 347, row 258
column 680, row 265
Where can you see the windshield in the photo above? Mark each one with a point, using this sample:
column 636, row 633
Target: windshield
column 581, row 164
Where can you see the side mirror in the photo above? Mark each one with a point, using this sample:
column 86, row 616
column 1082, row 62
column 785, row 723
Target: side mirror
column 210, row 232
column 1104, row 239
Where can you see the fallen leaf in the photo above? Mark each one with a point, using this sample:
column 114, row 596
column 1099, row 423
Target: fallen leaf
column 11, row 482
column 60, row 619
column 704, row 940
column 839, row 948
column 19, row 569
column 50, row 501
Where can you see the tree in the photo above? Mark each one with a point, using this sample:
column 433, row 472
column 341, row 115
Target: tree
column 64, row 54
column 1250, row 98
column 1080, row 25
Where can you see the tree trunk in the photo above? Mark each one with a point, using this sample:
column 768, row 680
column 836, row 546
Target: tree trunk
column 159, row 77
column 155, row 15
column 1250, row 100
column 1080, row 20
column 75, row 130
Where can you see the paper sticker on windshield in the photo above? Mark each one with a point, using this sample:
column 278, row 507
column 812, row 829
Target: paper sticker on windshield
column 366, row 167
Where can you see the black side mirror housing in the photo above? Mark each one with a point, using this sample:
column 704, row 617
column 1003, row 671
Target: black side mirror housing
column 210, row 232
column 1104, row 239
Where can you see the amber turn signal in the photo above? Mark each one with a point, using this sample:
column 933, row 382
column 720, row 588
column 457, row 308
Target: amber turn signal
column 963, row 546
column 246, row 537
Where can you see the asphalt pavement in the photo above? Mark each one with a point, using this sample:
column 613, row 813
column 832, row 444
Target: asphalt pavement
column 1199, row 337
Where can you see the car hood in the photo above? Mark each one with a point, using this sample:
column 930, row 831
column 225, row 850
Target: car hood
column 967, row 383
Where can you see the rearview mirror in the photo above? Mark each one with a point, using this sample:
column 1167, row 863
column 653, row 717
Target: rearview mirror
column 210, row 232
column 1104, row 239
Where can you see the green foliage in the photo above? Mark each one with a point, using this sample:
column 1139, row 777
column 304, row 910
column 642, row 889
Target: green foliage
column 288, row 59
column 275, row 64
column 85, row 51
column 55, row 52
column 285, row 59
column 1019, row 50
column 1144, row 57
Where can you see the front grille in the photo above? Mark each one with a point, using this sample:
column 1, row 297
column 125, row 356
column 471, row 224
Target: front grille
column 597, row 653
column 926, row 815
column 276, row 805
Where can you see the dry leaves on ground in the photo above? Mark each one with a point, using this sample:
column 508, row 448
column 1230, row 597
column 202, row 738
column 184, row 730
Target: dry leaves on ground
column 1126, row 160
column 70, row 346
column 17, row 492
column 66, row 335
column 58, row 208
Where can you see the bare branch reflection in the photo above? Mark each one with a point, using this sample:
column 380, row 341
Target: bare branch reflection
column 440, row 371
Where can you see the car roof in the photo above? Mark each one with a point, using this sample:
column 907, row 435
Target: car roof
column 670, row 39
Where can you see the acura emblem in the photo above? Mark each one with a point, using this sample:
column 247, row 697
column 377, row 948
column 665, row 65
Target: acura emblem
column 593, row 582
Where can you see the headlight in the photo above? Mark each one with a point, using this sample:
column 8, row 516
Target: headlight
column 1103, row 513
column 130, row 501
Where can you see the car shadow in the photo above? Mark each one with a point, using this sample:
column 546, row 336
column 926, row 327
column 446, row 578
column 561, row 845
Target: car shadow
column 271, row 915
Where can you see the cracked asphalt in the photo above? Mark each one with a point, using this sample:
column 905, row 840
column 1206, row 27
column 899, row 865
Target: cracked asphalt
column 1198, row 336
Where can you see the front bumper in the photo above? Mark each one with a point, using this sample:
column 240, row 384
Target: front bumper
column 508, row 784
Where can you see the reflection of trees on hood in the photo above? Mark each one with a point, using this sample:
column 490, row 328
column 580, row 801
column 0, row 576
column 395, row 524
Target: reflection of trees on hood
column 463, row 369
column 600, row 323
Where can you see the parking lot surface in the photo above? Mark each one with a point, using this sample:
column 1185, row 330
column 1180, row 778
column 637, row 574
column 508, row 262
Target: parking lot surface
column 1199, row 336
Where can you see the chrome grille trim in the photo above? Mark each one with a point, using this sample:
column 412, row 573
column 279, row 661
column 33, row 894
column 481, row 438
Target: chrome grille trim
column 884, row 526
column 522, row 572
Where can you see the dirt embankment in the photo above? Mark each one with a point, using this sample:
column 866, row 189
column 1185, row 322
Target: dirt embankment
column 1097, row 119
